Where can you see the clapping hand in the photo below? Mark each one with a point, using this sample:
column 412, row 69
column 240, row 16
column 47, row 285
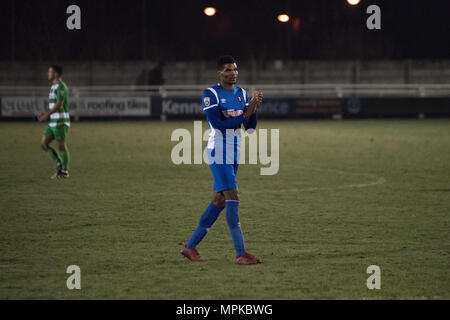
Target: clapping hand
column 255, row 102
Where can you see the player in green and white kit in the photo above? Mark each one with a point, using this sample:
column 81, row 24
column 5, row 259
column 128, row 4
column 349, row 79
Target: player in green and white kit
column 58, row 113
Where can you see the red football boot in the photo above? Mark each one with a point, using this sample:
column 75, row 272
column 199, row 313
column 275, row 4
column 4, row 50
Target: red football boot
column 191, row 254
column 247, row 259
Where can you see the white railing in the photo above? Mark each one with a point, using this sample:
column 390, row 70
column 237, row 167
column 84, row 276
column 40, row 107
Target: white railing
column 274, row 90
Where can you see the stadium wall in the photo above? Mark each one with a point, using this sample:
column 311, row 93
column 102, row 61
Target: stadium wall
column 96, row 73
column 320, row 95
column 157, row 107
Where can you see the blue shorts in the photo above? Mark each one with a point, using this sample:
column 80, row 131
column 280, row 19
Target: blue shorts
column 224, row 176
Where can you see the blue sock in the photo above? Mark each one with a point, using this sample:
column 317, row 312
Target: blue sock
column 232, row 209
column 206, row 221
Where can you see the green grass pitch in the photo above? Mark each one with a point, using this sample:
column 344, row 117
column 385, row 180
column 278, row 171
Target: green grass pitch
column 348, row 194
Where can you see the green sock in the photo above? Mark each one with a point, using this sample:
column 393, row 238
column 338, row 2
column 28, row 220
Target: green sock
column 65, row 156
column 54, row 155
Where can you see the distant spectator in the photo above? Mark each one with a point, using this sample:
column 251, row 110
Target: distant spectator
column 155, row 76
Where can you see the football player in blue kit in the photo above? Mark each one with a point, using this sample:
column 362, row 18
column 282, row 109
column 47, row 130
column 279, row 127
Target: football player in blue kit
column 227, row 108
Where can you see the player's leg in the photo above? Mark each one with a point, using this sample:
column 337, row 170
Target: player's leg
column 46, row 139
column 218, row 199
column 232, row 215
column 65, row 157
column 207, row 219
column 60, row 137
column 225, row 183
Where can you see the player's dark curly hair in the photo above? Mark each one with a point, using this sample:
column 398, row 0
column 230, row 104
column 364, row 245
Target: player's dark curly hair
column 58, row 69
column 223, row 60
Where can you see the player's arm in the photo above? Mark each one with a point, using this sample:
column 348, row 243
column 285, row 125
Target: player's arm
column 58, row 104
column 215, row 117
column 251, row 122
column 252, row 106
column 47, row 112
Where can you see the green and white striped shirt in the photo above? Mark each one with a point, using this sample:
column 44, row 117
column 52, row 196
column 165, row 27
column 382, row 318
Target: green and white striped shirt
column 59, row 92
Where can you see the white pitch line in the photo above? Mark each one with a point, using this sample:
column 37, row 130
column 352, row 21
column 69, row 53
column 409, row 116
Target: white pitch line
column 378, row 180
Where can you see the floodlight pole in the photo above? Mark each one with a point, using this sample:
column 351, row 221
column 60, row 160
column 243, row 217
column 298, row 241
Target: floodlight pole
column 144, row 31
column 13, row 31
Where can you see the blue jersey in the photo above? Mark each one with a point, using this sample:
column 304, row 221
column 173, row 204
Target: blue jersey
column 225, row 113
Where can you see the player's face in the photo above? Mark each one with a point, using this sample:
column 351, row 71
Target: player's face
column 51, row 74
column 229, row 73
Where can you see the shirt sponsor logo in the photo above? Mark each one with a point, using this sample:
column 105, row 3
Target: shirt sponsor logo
column 232, row 113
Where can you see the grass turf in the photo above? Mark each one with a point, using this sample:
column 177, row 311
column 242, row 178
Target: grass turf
column 348, row 194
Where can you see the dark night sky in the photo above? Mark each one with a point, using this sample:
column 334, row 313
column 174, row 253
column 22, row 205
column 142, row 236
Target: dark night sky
column 172, row 29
